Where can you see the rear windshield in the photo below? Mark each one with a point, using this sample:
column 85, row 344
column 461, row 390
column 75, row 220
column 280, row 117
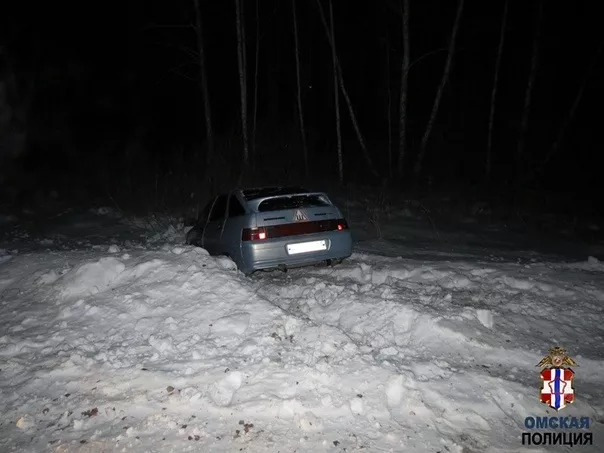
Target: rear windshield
column 293, row 202
column 261, row 192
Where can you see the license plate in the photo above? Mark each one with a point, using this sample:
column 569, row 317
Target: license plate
column 304, row 247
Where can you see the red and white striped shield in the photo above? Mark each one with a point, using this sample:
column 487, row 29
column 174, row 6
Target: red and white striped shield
column 557, row 390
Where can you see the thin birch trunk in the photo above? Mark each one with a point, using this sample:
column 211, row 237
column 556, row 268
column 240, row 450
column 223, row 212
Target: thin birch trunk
column 390, row 172
column 340, row 78
column 336, row 96
column 244, row 127
column 255, row 113
column 528, row 95
column 299, row 90
column 402, row 146
column 489, row 159
column 242, row 80
column 203, row 75
column 445, row 78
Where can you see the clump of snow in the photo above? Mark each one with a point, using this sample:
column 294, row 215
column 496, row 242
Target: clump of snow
column 49, row 277
column 485, row 317
column 223, row 390
column 162, row 344
column 92, row 277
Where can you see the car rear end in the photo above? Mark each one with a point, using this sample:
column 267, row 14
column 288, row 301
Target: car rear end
column 292, row 228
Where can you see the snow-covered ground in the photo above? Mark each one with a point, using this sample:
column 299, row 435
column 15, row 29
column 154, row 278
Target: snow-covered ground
column 134, row 342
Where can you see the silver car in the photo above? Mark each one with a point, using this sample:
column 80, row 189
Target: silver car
column 273, row 228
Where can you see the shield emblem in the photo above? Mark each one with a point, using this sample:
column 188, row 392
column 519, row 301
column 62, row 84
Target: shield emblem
column 557, row 387
column 299, row 216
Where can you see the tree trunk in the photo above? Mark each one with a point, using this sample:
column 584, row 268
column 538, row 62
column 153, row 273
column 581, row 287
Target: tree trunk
column 445, row 78
column 389, row 117
column 255, row 113
column 299, row 90
column 520, row 153
column 402, row 145
column 241, row 60
column 203, row 76
column 336, row 95
column 489, row 159
column 353, row 117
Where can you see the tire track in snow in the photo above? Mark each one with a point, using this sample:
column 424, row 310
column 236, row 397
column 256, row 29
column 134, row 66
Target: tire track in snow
column 410, row 404
column 447, row 327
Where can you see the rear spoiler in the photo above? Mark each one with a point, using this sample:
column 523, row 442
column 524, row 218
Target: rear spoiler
column 253, row 204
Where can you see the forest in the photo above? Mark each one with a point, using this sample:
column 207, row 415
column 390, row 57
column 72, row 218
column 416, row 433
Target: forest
column 161, row 104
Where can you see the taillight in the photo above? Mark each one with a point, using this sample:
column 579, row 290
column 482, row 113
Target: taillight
column 293, row 229
column 253, row 234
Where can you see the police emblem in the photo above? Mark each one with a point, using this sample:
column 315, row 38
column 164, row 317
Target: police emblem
column 557, row 379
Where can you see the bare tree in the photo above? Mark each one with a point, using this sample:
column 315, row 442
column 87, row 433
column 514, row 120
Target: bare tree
column 203, row 76
column 526, row 111
column 489, row 158
column 402, row 145
column 299, row 92
column 256, row 61
column 241, row 60
column 340, row 78
column 445, row 78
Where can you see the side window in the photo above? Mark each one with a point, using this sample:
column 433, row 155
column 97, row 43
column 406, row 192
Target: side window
column 219, row 210
column 235, row 208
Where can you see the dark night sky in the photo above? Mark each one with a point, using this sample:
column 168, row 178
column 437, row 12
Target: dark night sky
column 109, row 75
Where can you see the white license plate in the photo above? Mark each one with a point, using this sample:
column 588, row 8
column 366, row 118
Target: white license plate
column 304, row 247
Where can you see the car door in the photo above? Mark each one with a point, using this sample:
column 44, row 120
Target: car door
column 231, row 233
column 195, row 234
column 213, row 230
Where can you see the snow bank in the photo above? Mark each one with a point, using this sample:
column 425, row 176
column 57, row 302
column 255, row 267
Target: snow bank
column 169, row 349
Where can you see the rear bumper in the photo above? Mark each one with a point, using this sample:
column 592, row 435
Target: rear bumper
column 273, row 253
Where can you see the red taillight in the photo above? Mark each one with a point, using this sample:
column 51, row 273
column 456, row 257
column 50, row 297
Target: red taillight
column 253, row 234
column 293, row 229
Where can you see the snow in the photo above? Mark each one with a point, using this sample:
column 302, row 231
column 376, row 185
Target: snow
column 126, row 344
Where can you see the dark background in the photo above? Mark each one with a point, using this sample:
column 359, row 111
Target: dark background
column 102, row 99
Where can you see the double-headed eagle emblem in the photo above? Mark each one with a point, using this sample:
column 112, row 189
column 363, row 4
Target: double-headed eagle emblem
column 557, row 358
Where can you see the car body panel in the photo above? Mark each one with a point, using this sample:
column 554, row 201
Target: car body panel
column 273, row 252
